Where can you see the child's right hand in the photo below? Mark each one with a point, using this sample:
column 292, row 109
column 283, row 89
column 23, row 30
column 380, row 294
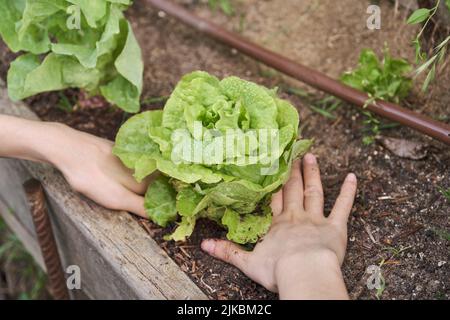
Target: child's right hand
column 301, row 255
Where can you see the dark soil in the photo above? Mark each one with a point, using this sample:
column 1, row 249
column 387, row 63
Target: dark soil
column 399, row 216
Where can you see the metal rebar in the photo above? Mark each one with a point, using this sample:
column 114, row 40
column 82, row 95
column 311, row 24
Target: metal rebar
column 318, row 80
column 36, row 198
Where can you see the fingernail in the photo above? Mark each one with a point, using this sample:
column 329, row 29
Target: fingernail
column 351, row 177
column 310, row 158
column 208, row 246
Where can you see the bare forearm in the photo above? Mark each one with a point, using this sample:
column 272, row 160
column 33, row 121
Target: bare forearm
column 314, row 277
column 26, row 139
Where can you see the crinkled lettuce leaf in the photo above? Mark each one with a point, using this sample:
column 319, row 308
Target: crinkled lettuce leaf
column 183, row 231
column 102, row 56
column 200, row 113
column 190, row 202
column 160, row 202
column 247, row 228
column 135, row 148
column 28, row 76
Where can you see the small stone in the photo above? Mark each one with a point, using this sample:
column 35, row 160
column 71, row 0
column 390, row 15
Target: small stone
column 441, row 263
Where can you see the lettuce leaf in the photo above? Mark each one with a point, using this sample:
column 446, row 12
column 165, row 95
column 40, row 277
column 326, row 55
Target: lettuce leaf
column 246, row 228
column 160, row 202
column 94, row 56
column 184, row 230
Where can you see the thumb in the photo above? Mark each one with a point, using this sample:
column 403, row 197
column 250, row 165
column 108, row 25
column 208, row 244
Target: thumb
column 227, row 252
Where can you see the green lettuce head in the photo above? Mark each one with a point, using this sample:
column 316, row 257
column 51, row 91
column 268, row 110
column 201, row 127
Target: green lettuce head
column 86, row 44
column 222, row 148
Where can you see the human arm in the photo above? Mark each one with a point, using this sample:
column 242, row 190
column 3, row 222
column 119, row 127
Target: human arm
column 86, row 161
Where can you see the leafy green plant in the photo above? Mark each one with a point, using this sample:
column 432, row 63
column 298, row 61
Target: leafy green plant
column 385, row 80
column 326, row 107
column 12, row 251
column 210, row 146
column 224, row 5
column 373, row 123
column 64, row 103
column 72, row 44
column 424, row 15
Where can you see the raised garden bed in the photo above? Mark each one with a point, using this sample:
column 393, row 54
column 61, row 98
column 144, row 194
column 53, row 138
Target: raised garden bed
column 399, row 204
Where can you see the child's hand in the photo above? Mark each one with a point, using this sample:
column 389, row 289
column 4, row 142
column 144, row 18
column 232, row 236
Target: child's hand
column 91, row 169
column 301, row 255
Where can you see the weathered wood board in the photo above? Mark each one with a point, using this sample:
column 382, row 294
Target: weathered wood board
column 117, row 258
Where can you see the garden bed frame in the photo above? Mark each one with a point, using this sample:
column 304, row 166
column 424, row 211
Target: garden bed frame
column 117, row 258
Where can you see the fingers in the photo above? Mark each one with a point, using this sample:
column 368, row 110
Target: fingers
column 117, row 197
column 345, row 200
column 313, row 192
column 134, row 186
column 293, row 190
column 125, row 177
column 227, row 252
column 133, row 203
column 277, row 203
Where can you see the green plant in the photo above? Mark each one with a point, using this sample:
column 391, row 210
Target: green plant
column 64, row 103
column 443, row 234
column 424, row 15
column 72, row 44
column 373, row 124
column 385, row 80
column 222, row 148
column 394, row 252
column 12, row 251
column 326, row 107
column 445, row 192
column 224, row 5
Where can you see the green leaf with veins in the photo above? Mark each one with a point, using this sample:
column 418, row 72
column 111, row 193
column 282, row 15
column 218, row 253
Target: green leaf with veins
column 160, row 202
column 95, row 56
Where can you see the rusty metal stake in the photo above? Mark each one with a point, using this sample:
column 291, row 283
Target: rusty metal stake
column 36, row 198
column 316, row 79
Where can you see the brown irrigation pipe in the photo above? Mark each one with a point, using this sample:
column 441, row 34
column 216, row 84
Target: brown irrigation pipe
column 36, row 198
column 428, row 126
